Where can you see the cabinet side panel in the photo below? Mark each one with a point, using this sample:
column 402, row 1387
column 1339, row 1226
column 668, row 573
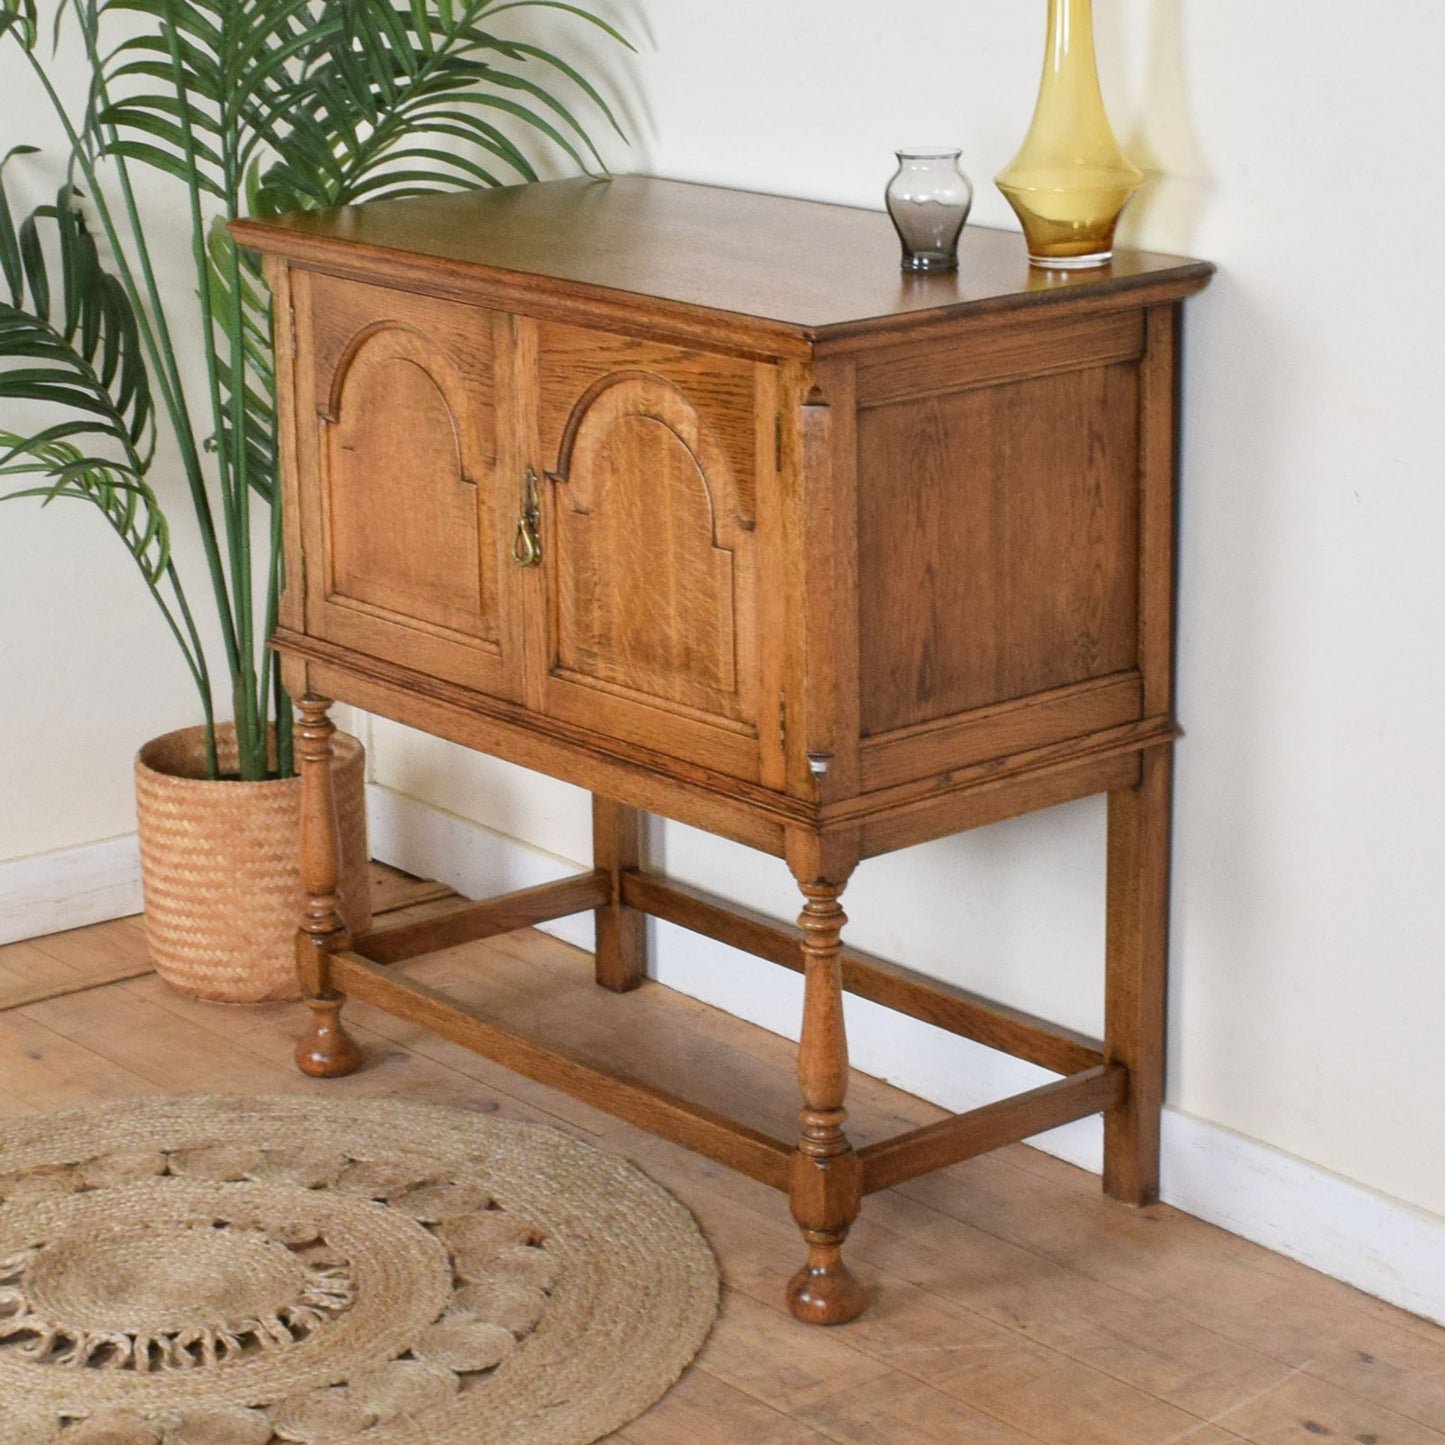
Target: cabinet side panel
column 998, row 532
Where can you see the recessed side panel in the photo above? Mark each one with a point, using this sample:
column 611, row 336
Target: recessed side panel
column 998, row 543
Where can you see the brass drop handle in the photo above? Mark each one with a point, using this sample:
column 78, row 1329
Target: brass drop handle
column 527, row 544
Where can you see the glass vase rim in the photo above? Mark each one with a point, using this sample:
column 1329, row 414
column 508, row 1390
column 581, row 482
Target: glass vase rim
column 929, row 153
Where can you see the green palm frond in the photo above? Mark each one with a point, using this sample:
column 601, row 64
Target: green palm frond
column 12, row 265
column 131, row 510
column 76, row 348
column 207, row 88
column 257, row 108
column 73, row 351
column 413, row 97
column 19, row 16
column 127, row 503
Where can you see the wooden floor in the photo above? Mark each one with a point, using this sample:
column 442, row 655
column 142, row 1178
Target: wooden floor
column 1012, row 1302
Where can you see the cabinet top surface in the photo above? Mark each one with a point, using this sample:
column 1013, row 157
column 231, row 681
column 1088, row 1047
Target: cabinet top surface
column 805, row 267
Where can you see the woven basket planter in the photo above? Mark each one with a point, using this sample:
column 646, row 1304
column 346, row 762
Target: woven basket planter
column 219, row 865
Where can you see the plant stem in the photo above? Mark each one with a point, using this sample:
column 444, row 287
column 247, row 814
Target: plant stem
column 234, row 498
column 154, row 331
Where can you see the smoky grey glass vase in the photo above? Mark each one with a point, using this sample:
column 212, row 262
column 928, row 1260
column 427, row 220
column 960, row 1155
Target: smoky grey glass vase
column 928, row 200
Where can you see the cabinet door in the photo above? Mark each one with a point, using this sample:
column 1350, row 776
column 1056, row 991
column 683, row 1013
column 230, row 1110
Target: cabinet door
column 650, row 543
column 405, row 519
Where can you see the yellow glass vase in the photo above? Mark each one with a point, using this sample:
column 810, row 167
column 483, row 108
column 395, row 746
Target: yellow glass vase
column 1070, row 180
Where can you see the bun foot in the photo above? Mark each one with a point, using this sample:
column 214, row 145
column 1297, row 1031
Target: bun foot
column 328, row 1051
column 826, row 1294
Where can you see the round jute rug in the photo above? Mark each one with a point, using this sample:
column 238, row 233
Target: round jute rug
column 215, row 1271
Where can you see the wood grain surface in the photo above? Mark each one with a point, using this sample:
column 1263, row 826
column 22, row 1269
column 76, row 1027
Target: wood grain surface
column 690, row 497
column 808, row 268
column 1021, row 1307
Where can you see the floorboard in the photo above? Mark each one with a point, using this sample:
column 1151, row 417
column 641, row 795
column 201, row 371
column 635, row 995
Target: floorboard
column 1012, row 1302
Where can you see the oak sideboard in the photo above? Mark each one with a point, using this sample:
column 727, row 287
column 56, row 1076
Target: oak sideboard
column 691, row 497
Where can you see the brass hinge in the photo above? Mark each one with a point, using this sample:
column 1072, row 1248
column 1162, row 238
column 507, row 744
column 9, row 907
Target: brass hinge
column 291, row 329
column 782, row 720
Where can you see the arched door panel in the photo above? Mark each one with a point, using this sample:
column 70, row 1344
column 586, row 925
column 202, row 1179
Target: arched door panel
column 406, row 442
column 652, row 564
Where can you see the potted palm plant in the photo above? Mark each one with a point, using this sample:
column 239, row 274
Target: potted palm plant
column 244, row 108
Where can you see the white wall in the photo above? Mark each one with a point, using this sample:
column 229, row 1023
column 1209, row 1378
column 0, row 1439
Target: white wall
column 1308, row 987
column 87, row 668
column 1286, row 144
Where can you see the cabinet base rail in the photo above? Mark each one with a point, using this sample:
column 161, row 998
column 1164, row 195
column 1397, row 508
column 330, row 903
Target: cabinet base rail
column 956, row 1010
column 963, row 1136
column 700, row 1129
column 1091, row 1085
column 470, row 924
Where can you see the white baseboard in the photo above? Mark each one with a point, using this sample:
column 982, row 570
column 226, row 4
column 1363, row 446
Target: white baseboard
column 70, row 888
column 419, row 838
column 1344, row 1229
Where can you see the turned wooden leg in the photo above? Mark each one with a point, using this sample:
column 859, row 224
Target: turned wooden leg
column 621, row 931
column 825, row 1190
column 1136, row 946
column 327, row 1050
